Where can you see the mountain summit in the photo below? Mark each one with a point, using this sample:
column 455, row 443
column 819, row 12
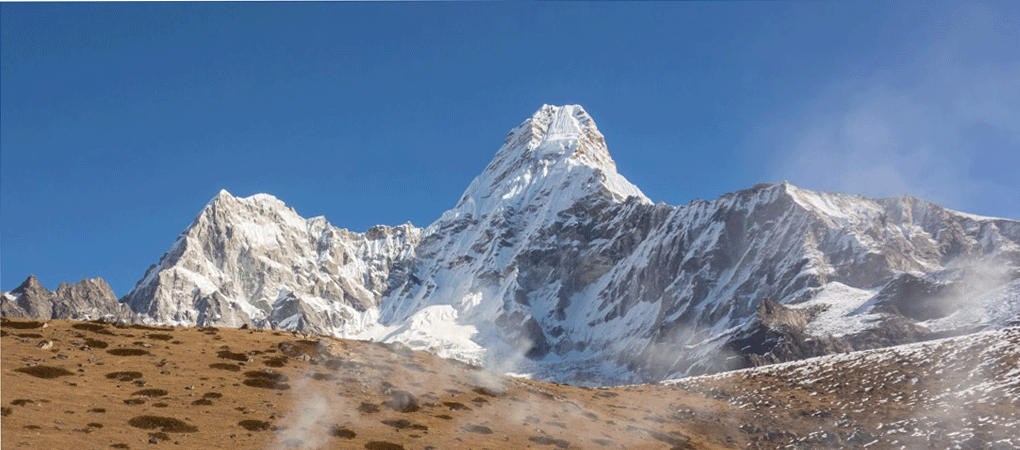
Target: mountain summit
column 551, row 160
column 553, row 264
column 255, row 260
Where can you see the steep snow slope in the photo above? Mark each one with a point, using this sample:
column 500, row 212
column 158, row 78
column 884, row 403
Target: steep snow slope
column 467, row 263
column 555, row 265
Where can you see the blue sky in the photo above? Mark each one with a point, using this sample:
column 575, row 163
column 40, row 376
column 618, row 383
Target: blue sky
column 118, row 122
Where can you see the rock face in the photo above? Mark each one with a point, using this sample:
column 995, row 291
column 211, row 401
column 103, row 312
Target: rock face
column 553, row 264
column 88, row 299
column 255, row 261
column 552, row 255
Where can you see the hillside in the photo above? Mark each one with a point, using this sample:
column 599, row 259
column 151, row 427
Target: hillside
column 100, row 385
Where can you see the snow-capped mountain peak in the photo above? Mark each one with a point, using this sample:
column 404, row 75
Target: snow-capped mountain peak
column 564, row 132
column 255, row 260
column 551, row 160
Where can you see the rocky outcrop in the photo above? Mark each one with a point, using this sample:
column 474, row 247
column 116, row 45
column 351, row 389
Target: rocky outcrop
column 255, row 261
column 706, row 275
column 87, row 299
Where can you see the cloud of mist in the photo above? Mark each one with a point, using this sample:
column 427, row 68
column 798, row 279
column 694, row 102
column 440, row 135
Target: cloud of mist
column 944, row 127
column 314, row 411
column 302, row 428
column 978, row 296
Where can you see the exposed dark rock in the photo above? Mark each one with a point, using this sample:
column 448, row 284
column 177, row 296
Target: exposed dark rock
column 88, row 299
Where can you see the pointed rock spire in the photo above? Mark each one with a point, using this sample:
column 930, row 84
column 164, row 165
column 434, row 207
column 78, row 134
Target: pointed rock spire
column 557, row 155
column 556, row 132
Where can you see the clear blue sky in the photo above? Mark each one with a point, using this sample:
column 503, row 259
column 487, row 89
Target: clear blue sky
column 118, row 122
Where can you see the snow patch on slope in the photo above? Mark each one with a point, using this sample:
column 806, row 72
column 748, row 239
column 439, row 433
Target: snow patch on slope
column 840, row 310
column 994, row 309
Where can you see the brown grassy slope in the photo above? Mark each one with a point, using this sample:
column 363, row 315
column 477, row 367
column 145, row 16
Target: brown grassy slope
column 959, row 393
column 228, row 388
column 91, row 385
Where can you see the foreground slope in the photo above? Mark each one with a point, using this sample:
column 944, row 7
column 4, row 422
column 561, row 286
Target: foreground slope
column 97, row 385
column 959, row 392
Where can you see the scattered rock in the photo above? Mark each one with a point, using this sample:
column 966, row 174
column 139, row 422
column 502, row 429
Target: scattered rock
column 402, row 401
column 476, row 429
column 546, row 440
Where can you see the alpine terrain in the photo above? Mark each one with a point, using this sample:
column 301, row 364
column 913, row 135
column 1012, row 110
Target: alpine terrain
column 552, row 264
column 101, row 385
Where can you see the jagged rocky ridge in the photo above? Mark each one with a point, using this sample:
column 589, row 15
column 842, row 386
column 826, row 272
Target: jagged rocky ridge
column 88, row 299
column 555, row 265
column 255, row 261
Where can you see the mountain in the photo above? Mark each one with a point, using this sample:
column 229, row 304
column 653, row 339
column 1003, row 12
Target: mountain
column 552, row 264
column 255, row 261
column 88, row 299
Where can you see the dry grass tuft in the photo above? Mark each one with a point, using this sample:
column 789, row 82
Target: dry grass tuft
column 93, row 327
column 20, row 325
column 44, row 372
column 165, row 424
column 128, row 352
column 96, row 343
column 225, row 366
column 227, row 354
column 151, row 392
column 342, row 433
column 254, row 425
column 266, row 380
column 124, row 375
column 382, row 445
